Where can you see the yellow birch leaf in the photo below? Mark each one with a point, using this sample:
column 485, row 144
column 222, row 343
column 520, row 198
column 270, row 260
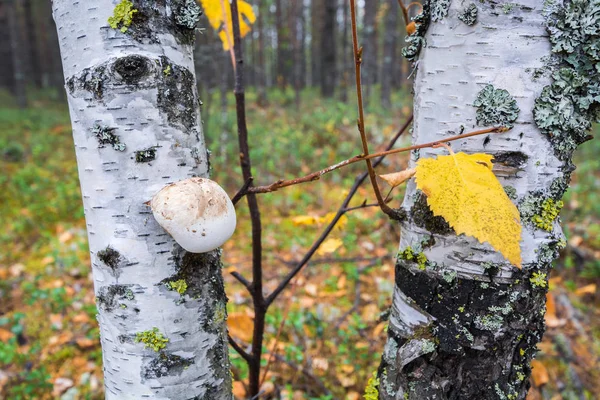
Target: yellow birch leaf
column 463, row 190
column 305, row 220
column 218, row 11
column 341, row 224
column 329, row 246
column 396, row 178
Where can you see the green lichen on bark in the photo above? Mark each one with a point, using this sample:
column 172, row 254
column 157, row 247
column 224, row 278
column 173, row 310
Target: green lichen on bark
column 469, row 14
column 416, row 40
column 179, row 286
column 549, row 212
column 417, row 257
column 122, row 16
column 372, row 389
column 539, row 210
column 566, row 109
column 538, row 279
column 496, row 107
column 152, row 339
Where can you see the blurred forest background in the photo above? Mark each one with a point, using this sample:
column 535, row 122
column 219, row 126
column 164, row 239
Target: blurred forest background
column 301, row 117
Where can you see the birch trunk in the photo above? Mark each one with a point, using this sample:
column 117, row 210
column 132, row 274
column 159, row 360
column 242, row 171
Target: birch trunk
column 136, row 125
column 465, row 323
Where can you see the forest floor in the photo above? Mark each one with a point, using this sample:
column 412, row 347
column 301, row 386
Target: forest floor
column 331, row 336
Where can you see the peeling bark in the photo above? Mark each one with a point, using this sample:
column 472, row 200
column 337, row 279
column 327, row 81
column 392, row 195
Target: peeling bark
column 465, row 323
column 136, row 125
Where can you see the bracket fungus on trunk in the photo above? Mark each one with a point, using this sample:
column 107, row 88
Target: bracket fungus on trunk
column 196, row 212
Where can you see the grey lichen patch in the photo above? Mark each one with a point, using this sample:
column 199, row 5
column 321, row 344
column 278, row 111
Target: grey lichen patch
column 496, row 107
column 188, row 14
column 145, row 156
column 176, row 96
column 449, row 275
column 165, row 364
column 469, row 14
column 423, row 217
column 109, row 297
column 416, row 40
column 439, row 9
column 560, row 185
column 566, row 108
column 510, row 191
column 508, row 7
column 489, row 322
column 106, row 136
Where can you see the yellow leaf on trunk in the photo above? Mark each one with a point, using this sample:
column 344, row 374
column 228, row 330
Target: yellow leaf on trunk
column 463, row 190
column 219, row 11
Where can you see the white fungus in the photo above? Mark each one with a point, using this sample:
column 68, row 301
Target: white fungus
column 196, row 212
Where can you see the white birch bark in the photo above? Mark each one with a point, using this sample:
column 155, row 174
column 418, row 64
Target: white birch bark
column 136, row 125
column 481, row 316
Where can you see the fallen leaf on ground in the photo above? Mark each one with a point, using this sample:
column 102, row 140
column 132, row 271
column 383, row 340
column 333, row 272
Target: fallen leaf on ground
column 5, row 335
column 587, row 289
column 240, row 326
column 329, row 246
column 304, row 220
column 539, row 373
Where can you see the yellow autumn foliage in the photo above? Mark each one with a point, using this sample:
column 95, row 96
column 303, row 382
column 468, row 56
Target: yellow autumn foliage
column 219, row 11
column 463, row 190
column 330, row 246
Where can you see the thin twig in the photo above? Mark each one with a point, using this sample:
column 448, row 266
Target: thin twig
column 357, row 182
column 227, row 36
column 404, row 12
column 361, row 117
column 238, row 348
column 313, row 176
column 242, row 280
column 364, row 205
column 242, row 192
column 257, row 291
